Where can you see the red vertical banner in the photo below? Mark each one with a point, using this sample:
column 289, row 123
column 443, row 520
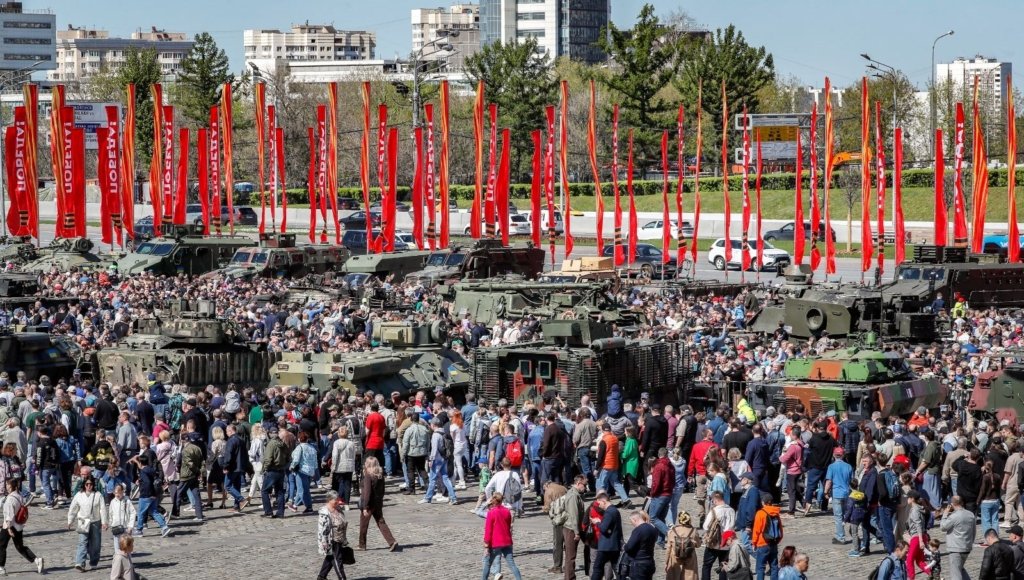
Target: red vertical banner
column 619, row 251
column 757, row 189
column 382, row 152
column 364, row 163
column 78, row 179
column 746, row 195
column 592, row 152
column 563, row 166
column 941, row 219
column 314, row 196
column 30, row 96
column 680, row 181
column 181, row 183
column 417, row 189
column 260, row 96
column 666, row 230
column 798, row 206
column 959, row 203
column 815, row 211
column 549, row 178
column 332, row 159
column 830, row 244
column 60, row 153
column 156, row 163
column 1013, row 241
column 167, row 167
column 442, row 178
column 227, row 132
column 323, row 179
column 536, row 187
column 725, row 176
column 103, row 180
column 112, row 170
column 880, row 188
column 476, row 217
column 391, row 209
column 271, row 130
column 429, row 179
column 897, row 193
column 203, row 169
column 866, row 199
column 696, row 176
column 633, row 222
column 279, row 135
column 979, row 168
column 15, row 153
column 489, row 204
column 501, row 193
column 215, row 168
column 128, row 166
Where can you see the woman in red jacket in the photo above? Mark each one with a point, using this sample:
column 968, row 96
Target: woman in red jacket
column 498, row 536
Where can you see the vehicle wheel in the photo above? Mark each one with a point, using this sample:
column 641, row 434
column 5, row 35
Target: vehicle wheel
column 198, row 221
column 769, row 239
column 466, row 231
column 647, row 270
column 719, row 263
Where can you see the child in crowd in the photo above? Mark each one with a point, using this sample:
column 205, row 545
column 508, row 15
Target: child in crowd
column 855, row 508
column 485, row 478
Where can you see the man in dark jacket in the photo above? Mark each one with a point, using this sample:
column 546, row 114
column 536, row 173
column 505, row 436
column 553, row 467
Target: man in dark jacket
column 997, row 561
column 738, row 437
column 149, row 491
column 655, row 434
column 609, row 539
column 869, row 485
column 551, row 448
column 821, row 446
column 663, row 482
column 234, row 461
column 758, row 457
column 968, row 485
column 275, row 462
column 849, row 438
column 747, row 508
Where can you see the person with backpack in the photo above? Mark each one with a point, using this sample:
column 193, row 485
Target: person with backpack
column 721, row 517
column 555, row 508
column 893, row 566
column 47, row 459
column 568, row 510
column 509, row 484
column 15, row 515
column 438, row 465
column 681, row 549
column 889, row 494
column 766, row 534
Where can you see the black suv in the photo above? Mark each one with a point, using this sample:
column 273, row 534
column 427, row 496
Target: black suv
column 355, row 241
column 788, row 231
column 649, row 262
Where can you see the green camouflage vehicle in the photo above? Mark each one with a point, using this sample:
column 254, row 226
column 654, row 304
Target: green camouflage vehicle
column 185, row 343
column 484, row 259
column 65, row 254
column 410, row 357
column 278, row 257
column 38, row 354
column 183, row 252
column 16, row 249
column 382, row 266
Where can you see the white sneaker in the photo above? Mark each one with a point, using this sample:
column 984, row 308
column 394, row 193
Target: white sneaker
column 39, row 565
column 86, row 567
column 3, row 572
column 460, row 487
column 424, row 500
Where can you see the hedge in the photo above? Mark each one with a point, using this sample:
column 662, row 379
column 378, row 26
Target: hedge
column 771, row 182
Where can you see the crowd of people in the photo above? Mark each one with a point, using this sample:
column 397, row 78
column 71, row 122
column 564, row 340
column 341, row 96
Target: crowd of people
column 118, row 456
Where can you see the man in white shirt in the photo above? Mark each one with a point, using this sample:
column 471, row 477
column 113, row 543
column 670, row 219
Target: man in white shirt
column 726, row 517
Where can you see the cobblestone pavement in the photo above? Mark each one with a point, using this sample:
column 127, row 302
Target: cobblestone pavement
column 437, row 541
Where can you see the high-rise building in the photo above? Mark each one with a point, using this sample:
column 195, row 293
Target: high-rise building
column 457, row 27
column 305, row 43
column 991, row 72
column 84, row 52
column 568, row 28
column 28, row 40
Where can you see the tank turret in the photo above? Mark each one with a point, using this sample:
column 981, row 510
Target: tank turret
column 64, row 254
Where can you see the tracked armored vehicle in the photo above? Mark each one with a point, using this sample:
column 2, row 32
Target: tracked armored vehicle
column 410, row 357
column 859, row 380
column 484, row 259
column 581, row 357
column 37, row 354
column 65, row 254
column 17, row 249
column 185, row 343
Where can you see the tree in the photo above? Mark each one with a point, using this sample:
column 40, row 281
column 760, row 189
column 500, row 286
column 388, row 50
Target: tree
column 204, row 70
column 646, row 60
column 521, row 82
column 784, row 95
column 724, row 57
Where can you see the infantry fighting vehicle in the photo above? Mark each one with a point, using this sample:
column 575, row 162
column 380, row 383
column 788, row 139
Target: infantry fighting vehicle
column 485, row 259
column 859, row 379
column 16, row 249
column 582, row 357
column 410, row 357
column 65, row 254
column 278, row 256
column 183, row 251
column 582, row 270
column 489, row 300
column 185, row 343
column 395, row 266
column 37, row 354
column 997, row 393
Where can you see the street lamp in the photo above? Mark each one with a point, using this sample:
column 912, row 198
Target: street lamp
column 889, row 71
column 934, row 89
column 5, row 80
column 441, row 44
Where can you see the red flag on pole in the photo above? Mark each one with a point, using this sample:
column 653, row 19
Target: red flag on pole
column 980, row 182
column 476, row 216
column 897, row 192
column 725, row 175
column 227, row 132
column 108, row 173
column 815, row 212
column 260, row 96
column 429, row 177
column 941, row 218
column 746, row 195
column 323, row 177
column 311, row 181
column 619, row 251
column 445, row 124
column 666, row 229
column 332, row 159
column 392, row 208
column 128, row 166
column 535, row 190
column 680, row 181
column 382, row 146
column 203, row 160
column 417, row 189
column 866, row 241
column 279, row 136
column 1013, row 241
column 271, row 132
column 78, row 179
column 215, row 167
column 633, row 225
column 364, row 164
column 492, row 173
column 757, row 188
column 181, row 183
column 830, row 244
column 798, row 204
column 17, row 178
column 880, row 181
column 592, row 151
column 167, row 181
column 696, row 176
column 959, row 203
column 549, row 179
column 563, row 167
column 501, row 188
column 61, row 162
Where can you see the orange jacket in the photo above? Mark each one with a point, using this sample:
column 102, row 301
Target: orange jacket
column 610, row 461
column 760, row 521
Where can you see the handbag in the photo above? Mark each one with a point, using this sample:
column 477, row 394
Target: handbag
column 83, row 525
column 117, row 530
column 348, row 556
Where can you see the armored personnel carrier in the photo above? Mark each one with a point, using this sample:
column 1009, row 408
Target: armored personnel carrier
column 581, row 357
column 65, row 254
column 485, row 259
column 410, row 357
column 996, row 393
column 37, row 354
column 278, row 257
column 185, row 343
column 16, row 249
column 859, row 379
column 381, row 266
column 183, row 251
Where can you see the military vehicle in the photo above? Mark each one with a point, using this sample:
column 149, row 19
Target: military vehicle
column 996, row 393
column 381, row 266
column 582, row 270
column 278, row 256
column 185, row 343
column 489, row 300
column 183, row 251
column 16, row 249
column 37, row 354
column 410, row 357
column 65, row 254
column 859, row 380
column 485, row 259
column 901, row 308
column 581, row 357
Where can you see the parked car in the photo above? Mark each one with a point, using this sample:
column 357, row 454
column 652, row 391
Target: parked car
column 406, row 238
column 400, row 207
column 357, row 220
column 355, row 241
column 144, row 228
column 649, row 262
column 773, row 258
column 652, row 230
column 788, row 232
column 998, row 244
column 349, row 203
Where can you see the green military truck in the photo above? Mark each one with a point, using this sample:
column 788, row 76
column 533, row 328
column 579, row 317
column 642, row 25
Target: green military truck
column 183, row 251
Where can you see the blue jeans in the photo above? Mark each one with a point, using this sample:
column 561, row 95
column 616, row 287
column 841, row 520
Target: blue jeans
column 273, row 481
column 990, row 515
column 89, row 545
column 587, row 467
column 932, row 488
column 538, row 483
column 608, row 479
column 886, row 515
column 232, row 484
column 391, row 456
column 439, row 470
column 744, row 539
column 814, row 478
column 302, row 486
column 673, row 506
column 658, row 509
column 837, row 516
column 147, row 508
column 551, row 469
column 767, row 557
column 496, row 554
column 51, row 479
